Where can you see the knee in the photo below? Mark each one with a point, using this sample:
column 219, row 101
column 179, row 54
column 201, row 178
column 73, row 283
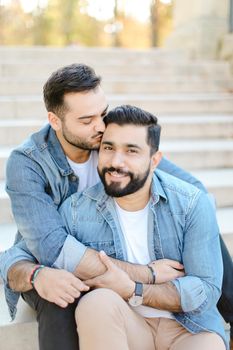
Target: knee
column 97, row 302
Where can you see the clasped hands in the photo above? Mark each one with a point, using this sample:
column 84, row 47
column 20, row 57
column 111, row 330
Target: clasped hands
column 62, row 287
column 118, row 280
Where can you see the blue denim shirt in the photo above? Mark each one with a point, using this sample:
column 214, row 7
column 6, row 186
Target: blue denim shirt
column 39, row 179
column 182, row 226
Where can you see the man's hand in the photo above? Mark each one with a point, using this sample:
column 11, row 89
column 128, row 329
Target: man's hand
column 167, row 270
column 114, row 278
column 58, row 286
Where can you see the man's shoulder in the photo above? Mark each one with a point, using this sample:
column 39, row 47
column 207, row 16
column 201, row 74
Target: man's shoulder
column 35, row 141
column 173, row 186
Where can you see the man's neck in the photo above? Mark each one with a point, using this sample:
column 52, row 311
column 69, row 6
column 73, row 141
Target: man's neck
column 74, row 153
column 135, row 201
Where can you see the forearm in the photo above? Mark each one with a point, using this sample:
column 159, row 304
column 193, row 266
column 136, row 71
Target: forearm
column 91, row 266
column 19, row 276
column 162, row 296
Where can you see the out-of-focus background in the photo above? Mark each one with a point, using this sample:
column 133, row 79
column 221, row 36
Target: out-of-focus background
column 173, row 58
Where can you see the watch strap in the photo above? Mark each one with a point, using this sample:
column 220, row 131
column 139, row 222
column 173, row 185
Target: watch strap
column 138, row 289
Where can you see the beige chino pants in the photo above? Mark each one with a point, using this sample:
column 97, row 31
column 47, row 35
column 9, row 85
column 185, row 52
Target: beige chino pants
column 106, row 322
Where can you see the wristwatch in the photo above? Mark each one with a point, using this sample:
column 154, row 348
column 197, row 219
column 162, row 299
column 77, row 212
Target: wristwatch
column 137, row 297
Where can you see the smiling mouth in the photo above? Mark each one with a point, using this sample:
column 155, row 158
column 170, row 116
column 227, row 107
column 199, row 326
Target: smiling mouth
column 117, row 174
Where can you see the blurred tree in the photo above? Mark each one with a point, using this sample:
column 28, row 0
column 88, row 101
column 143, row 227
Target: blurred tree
column 14, row 25
column 160, row 21
column 154, row 19
column 116, row 37
column 68, row 22
column 134, row 34
column 63, row 23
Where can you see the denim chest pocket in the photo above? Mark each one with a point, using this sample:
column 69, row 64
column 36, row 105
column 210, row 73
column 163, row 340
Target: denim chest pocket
column 107, row 246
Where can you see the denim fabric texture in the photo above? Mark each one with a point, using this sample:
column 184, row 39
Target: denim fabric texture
column 182, row 226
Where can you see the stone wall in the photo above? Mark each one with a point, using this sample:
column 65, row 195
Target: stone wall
column 199, row 26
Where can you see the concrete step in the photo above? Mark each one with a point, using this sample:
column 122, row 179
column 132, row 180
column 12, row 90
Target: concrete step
column 209, row 70
column 5, row 213
column 119, row 85
column 22, row 107
column 196, row 126
column 224, row 216
column 4, row 154
column 199, row 154
column 22, row 333
column 7, row 234
column 90, row 55
column 219, row 182
column 14, row 131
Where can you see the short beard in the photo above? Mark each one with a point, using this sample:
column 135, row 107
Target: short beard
column 114, row 189
column 77, row 142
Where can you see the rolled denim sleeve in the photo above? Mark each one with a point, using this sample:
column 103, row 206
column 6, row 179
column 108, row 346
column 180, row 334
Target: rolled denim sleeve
column 200, row 289
column 70, row 255
column 13, row 255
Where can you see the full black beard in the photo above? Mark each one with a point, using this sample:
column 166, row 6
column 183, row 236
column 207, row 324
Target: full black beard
column 114, row 189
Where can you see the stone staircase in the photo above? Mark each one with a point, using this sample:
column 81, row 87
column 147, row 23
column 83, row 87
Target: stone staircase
column 192, row 100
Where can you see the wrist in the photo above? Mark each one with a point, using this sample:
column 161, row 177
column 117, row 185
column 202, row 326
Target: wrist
column 152, row 278
column 129, row 290
column 34, row 274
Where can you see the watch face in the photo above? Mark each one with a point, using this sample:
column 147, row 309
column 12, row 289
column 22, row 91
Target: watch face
column 135, row 300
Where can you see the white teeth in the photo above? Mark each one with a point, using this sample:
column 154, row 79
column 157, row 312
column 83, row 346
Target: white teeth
column 116, row 174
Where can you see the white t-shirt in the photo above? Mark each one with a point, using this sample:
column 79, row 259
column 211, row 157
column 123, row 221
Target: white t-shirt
column 134, row 225
column 86, row 172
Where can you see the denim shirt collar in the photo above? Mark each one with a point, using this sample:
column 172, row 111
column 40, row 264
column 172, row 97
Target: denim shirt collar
column 55, row 150
column 98, row 194
column 157, row 190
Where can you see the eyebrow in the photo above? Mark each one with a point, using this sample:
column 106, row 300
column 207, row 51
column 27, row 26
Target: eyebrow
column 129, row 145
column 91, row 116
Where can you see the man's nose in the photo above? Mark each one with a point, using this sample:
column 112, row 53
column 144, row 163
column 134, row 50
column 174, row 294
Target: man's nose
column 117, row 160
column 100, row 126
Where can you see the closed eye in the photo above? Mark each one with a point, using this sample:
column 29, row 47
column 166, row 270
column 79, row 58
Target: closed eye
column 87, row 121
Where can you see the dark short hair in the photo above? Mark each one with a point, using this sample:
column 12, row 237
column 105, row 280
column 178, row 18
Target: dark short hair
column 126, row 114
column 72, row 78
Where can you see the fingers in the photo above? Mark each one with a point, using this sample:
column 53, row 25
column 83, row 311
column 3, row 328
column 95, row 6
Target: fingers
column 60, row 302
column 105, row 259
column 92, row 282
column 180, row 274
column 79, row 285
column 175, row 264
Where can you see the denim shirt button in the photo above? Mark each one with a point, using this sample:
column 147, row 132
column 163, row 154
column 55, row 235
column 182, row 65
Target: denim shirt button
column 73, row 178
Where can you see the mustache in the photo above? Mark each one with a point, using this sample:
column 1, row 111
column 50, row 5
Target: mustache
column 119, row 171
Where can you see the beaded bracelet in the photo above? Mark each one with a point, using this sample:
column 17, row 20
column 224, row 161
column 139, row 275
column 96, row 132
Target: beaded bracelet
column 153, row 274
column 34, row 273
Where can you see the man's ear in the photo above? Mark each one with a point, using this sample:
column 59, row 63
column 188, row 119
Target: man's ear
column 54, row 121
column 155, row 159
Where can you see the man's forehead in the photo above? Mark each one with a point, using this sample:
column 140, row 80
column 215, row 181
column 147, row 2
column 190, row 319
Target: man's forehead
column 86, row 102
column 125, row 134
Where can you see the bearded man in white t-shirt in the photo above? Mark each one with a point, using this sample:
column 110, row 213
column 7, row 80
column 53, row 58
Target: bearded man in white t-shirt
column 144, row 216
